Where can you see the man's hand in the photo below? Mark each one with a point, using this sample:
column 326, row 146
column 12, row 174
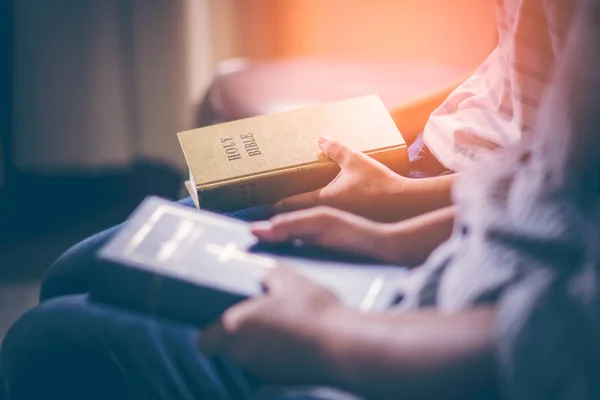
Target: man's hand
column 363, row 186
column 299, row 333
column 278, row 337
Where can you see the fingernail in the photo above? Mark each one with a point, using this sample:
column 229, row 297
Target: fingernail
column 261, row 226
column 324, row 139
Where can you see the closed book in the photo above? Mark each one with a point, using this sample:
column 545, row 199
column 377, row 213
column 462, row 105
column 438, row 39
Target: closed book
column 260, row 160
column 187, row 265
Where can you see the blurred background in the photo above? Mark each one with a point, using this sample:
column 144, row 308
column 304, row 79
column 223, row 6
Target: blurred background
column 94, row 92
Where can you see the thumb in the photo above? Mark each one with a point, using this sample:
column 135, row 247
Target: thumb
column 338, row 152
column 213, row 341
column 217, row 339
column 298, row 202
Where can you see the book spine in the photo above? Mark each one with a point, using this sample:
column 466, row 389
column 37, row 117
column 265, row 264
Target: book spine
column 395, row 158
column 270, row 187
column 155, row 295
column 263, row 189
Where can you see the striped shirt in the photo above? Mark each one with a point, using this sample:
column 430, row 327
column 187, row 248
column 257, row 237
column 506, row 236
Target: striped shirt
column 527, row 237
column 497, row 105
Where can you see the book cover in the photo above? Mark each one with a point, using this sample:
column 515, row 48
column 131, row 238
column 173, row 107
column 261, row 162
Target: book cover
column 260, row 160
column 190, row 265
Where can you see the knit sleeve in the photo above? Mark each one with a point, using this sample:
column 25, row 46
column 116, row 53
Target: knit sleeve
column 547, row 330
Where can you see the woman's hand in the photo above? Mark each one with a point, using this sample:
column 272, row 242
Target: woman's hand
column 406, row 243
column 363, row 186
column 330, row 228
column 368, row 188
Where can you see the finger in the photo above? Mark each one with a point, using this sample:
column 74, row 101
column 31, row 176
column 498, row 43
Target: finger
column 307, row 225
column 298, row 202
column 216, row 339
column 283, row 280
column 263, row 230
column 337, row 151
column 213, row 341
column 240, row 315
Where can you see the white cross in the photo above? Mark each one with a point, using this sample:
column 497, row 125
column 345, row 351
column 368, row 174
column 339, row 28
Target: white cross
column 169, row 246
column 231, row 252
column 224, row 253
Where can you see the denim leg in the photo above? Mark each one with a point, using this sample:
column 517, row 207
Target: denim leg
column 71, row 272
column 71, row 348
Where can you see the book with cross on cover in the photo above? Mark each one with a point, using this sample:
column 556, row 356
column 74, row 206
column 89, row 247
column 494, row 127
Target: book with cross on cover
column 186, row 265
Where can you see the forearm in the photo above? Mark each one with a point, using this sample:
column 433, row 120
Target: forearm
column 430, row 194
column 410, row 242
column 420, row 355
column 406, row 198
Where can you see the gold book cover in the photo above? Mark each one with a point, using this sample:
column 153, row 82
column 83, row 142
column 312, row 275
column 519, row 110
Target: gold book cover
column 260, row 160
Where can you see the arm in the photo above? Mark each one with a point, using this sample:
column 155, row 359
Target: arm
column 411, row 241
column 366, row 187
column 420, row 355
column 425, row 195
column 406, row 243
column 299, row 333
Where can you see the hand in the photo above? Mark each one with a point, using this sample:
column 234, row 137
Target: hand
column 363, row 186
column 333, row 229
column 278, row 337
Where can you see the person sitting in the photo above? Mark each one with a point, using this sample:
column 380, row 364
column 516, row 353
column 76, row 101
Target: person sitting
column 508, row 306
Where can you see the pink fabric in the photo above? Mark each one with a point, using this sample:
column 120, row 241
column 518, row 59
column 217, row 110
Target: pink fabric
column 497, row 105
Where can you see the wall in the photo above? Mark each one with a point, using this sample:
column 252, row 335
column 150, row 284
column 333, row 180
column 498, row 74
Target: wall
column 102, row 84
column 448, row 31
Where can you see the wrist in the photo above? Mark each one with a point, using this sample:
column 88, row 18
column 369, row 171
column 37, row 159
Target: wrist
column 410, row 242
column 432, row 193
column 398, row 245
column 392, row 197
column 334, row 349
column 418, row 196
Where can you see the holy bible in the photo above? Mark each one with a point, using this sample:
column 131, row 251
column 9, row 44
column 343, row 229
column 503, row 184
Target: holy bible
column 260, row 160
column 186, row 265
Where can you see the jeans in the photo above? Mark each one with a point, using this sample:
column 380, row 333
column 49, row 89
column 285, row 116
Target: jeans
column 71, row 348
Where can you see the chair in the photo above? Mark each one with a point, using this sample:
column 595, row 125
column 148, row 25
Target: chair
column 411, row 90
